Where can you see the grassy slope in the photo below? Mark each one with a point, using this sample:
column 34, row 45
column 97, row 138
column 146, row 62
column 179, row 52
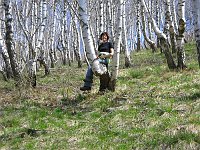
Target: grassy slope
column 152, row 108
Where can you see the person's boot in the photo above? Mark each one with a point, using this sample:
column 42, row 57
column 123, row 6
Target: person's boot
column 85, row 88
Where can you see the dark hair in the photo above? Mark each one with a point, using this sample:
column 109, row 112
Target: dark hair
column 104, row 33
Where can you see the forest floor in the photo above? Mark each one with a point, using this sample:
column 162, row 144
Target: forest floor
column 152, row 108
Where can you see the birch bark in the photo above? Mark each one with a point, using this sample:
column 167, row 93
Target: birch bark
column 138, row 25
column 115, row 62
column 163, row 40
column 180, row 37
column 90, row 52
column 127, row 52
column 9, row 42
column 3, row 51
column 40, row 40
column 168, row 18
column 52, row 39
column 196, row 14
column 149, row 41
column 8, row 70
column 76, row 39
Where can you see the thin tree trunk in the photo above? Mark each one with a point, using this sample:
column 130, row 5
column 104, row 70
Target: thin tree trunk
column 149, row 41
column 41, row 58
column 138, row 25
column 90, row 52
column 63, row 33
column 168, row 18
column 115, row 62
column 101, row 16
column 180, row 38
column 157, row 21
column 51, row 52
column 196, row 14
column 5, row 56
column 9, row 42
column 163, row 40
column 174, row 15
column 76, row 39
column 127, row 52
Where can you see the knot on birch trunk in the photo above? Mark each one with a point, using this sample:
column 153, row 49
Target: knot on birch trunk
column 181, row 28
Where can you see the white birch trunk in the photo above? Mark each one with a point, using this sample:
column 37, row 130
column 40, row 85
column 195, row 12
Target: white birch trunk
column 174, row 15
column 76, row 39
column 110, row 24
column 168, row 18
column 41, row 38
column 196, row 14
column 151, row 43
column 180, row 38
column 101, row 24
column 90, row 52
column 3, row 51
column 52, row 39
column 149, row 22
column 157, row 19
column 63, row 35
column 138, row 25
column 9, row 42
column 33, row 60
column 32, row 49
column 163, row 39
column 68, row 43
column 115, row 62
column 127, row 52
column 7, row 72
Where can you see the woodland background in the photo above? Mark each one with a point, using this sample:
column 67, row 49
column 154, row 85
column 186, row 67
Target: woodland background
column 45, row 47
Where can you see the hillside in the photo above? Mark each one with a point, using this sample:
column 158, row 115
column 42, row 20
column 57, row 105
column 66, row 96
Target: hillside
column 152, row 108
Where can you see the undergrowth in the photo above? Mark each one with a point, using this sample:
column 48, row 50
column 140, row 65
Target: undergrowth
column 152, row 108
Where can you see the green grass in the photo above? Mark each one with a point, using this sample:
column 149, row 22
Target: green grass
column 152, row 108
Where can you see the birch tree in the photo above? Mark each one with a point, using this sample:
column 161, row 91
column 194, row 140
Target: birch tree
column 110, row 19
column 138, row 25
column 87, row 38
column 63, row 34
column 9, row 41
column 180, row 37
column 171, row 25
column 157, row 19
column 7, row 72
column 127, row 52
column 52, row 39
column 115, row 62
column 3, row 51
column 101, row 16
column 196, row 14
column 76, row 37
column 149, row 41
column 40, row 41
column 163, row 39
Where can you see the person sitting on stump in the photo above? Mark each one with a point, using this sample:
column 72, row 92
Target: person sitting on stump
column 107, row 47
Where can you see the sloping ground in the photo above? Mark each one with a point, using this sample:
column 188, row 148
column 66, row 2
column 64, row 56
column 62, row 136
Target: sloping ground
column 152, row 108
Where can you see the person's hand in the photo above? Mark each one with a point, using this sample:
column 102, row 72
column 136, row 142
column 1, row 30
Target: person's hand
column 102, row 56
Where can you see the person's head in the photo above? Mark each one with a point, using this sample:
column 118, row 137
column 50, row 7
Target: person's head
column 104, row 36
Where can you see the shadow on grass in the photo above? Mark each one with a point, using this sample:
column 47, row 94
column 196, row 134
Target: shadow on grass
column 22, row 133
column 192, row 97
column 75, row 105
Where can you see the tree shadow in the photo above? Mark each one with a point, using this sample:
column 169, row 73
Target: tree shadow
column 191, row 97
